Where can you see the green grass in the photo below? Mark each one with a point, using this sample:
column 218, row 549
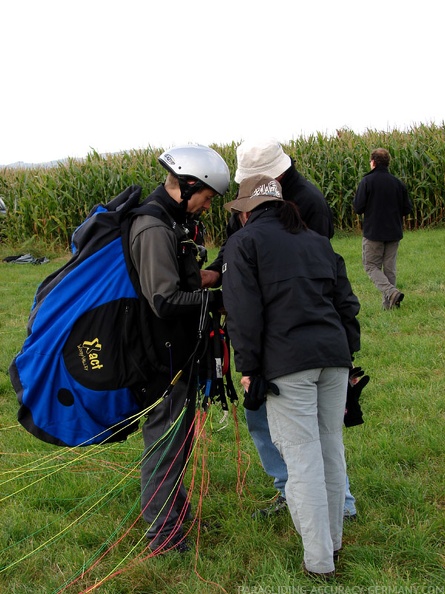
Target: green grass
column 61, row 509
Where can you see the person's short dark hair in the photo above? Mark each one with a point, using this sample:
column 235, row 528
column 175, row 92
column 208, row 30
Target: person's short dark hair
column 381, row 156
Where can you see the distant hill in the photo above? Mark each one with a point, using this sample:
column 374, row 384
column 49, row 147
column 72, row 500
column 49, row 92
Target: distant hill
column 49, row 164
column 23, row 165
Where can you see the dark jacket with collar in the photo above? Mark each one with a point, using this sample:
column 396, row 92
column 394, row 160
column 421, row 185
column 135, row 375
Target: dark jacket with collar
column 383, row 201
column 290, row 304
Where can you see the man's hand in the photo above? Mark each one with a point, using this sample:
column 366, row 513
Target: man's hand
column 209, row 278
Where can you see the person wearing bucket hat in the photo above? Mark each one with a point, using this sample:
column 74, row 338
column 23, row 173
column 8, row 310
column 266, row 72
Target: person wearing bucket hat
column 256, row 190
column 292, row 319
column 261, row 156
column 266, row 156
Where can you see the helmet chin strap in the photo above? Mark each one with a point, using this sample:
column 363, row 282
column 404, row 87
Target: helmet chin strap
column 187, row 190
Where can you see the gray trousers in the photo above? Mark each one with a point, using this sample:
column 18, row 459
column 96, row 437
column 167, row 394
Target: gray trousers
column 163, row 495
column 271, row 459
column 379, row 260
column 306, row 423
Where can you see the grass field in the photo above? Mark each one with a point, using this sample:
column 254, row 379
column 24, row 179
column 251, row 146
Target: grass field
column 69, row 517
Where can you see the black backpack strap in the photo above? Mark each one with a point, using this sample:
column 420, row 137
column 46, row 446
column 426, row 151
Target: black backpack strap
column 154, row 209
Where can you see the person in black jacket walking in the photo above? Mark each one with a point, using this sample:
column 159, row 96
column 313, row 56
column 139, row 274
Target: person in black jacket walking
column 383, row 201
column 292, row 321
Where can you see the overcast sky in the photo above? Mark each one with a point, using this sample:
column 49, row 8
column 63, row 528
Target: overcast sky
column 114, row 76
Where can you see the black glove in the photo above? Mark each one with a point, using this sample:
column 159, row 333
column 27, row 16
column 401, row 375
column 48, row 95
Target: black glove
column 258, row 389
column 357, row 381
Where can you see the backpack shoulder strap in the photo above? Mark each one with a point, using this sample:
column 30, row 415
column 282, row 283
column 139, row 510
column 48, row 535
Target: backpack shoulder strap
column 154, row 209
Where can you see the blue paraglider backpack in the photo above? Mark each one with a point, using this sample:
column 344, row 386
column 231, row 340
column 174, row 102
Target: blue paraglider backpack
column 84, row 367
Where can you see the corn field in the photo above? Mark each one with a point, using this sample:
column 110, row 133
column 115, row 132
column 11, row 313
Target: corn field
column 47, row 204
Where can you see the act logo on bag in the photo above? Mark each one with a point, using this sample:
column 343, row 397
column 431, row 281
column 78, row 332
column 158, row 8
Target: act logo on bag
column 89, row 354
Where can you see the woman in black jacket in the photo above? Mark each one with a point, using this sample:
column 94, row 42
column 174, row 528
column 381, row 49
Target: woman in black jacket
column 292, row 321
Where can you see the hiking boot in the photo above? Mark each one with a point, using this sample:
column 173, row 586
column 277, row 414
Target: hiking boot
column 278, row 506
column 321, row 577
column 395, row 299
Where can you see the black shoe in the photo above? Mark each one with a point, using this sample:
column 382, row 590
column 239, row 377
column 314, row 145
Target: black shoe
column 178, row 543
column 183, row 546
column 278, row 506
column 348, row 517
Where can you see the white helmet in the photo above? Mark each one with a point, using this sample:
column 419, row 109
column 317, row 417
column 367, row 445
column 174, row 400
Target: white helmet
column 198, row 162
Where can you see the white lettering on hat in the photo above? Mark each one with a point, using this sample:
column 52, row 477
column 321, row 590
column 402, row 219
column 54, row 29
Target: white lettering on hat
column 269, row 189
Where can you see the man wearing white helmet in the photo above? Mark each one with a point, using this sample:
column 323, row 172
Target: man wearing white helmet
column 166, row 260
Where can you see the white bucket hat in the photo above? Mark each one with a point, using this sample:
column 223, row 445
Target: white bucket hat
column 264, row 156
